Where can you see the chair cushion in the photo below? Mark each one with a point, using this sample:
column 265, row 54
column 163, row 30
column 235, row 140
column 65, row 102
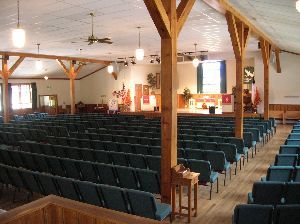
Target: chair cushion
column 245, row 150
column 226, row 166
column 237, row 157
column 163, row 210
column 213, row 177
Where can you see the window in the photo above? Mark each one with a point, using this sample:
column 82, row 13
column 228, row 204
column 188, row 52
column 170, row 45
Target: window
column 21, row 96
column 211, row 77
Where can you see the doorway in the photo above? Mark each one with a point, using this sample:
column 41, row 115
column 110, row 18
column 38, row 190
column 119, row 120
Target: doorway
column 48, row 104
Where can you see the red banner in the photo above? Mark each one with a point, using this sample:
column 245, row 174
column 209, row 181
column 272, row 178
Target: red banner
column 146, row 99
column 226, row 99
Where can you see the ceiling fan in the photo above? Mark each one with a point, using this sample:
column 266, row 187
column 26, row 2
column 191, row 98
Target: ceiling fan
column 93, row 39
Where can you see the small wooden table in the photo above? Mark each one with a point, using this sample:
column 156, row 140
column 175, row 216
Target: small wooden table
column 189, row 180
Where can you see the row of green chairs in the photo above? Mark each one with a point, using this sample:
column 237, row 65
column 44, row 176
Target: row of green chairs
column 111, row 197
column 126, row 177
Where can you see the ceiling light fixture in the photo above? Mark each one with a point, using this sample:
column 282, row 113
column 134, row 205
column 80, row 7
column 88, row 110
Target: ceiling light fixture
column 132, row 61
column 110, row 69
column 158, row 60
column 18, row 34
column 139, row 53
column 196, row 60
column 151, row 60
column 38, row 63
column 298, row 5
column 125, row 63
column 46, row 77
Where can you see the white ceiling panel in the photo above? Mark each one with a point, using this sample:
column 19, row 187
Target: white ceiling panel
column 61, row 26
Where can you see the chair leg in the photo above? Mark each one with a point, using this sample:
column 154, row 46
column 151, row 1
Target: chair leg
column 240, row 164
column 225, row 178
column 218, row 185
column 252, row 152
column 244, row 160
column 210, row 191
column 235, row 168
column 229, row 173
column 247, row 157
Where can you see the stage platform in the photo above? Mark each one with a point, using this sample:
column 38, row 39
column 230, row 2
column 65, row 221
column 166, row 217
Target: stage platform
column 190, row 112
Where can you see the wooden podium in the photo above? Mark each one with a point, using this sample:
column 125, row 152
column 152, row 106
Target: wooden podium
column 181, row 177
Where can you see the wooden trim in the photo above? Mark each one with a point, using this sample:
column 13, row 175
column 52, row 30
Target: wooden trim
column 54, row 57
column 77, row 70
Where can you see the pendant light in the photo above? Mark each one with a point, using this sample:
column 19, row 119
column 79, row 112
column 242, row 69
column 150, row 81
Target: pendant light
column 110, row 69
column 38, row 63
column 298, row 5
column 196, row 60
column 18, row 34
column 139, row 53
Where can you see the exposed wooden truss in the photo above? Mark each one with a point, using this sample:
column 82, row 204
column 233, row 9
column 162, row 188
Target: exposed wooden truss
column 168, row 20
column 239, row 34
column 278, row 66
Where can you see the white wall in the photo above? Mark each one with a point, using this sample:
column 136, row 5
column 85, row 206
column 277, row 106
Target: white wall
column 59, row 87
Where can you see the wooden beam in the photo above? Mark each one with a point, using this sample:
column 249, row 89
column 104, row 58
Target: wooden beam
column 16, row 64
column 54, row 57
column 278, row 66
column 232, row 29
column 266, row 53
column 5, row 75
column 239, row 34
column 72, row 76
column 183, row 10
column 64, row 67
column 159, row 17
column 78, row 69
column 115, row 75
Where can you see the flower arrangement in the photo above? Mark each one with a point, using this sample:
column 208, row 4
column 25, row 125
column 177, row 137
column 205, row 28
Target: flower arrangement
column 125, row 97
column 257, row 99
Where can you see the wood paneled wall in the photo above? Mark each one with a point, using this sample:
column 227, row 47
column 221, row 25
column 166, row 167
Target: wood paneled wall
column 57, row 210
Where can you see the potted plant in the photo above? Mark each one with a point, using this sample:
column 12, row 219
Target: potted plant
column 151, row 78
column 186, row 95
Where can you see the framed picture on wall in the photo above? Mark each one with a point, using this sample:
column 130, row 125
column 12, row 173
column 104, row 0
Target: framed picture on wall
column 157, row 80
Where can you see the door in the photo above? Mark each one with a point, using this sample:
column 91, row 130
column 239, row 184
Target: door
column 48, row 104
column 138, row 96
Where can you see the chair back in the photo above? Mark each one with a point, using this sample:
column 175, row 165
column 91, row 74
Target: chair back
column 286, row 160
column 280, row 173
column 142, row 203
column 202, row 167
column 292, row 193
column 268, row 193
column 287, row 214
column 250, row 214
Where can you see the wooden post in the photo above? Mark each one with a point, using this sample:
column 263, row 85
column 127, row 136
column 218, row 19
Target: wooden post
column 5, row 75
column 266, row 53
column 6, row 72
column 168, row 20
column 71, row 73
column 72, row 76
column 239, row 34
